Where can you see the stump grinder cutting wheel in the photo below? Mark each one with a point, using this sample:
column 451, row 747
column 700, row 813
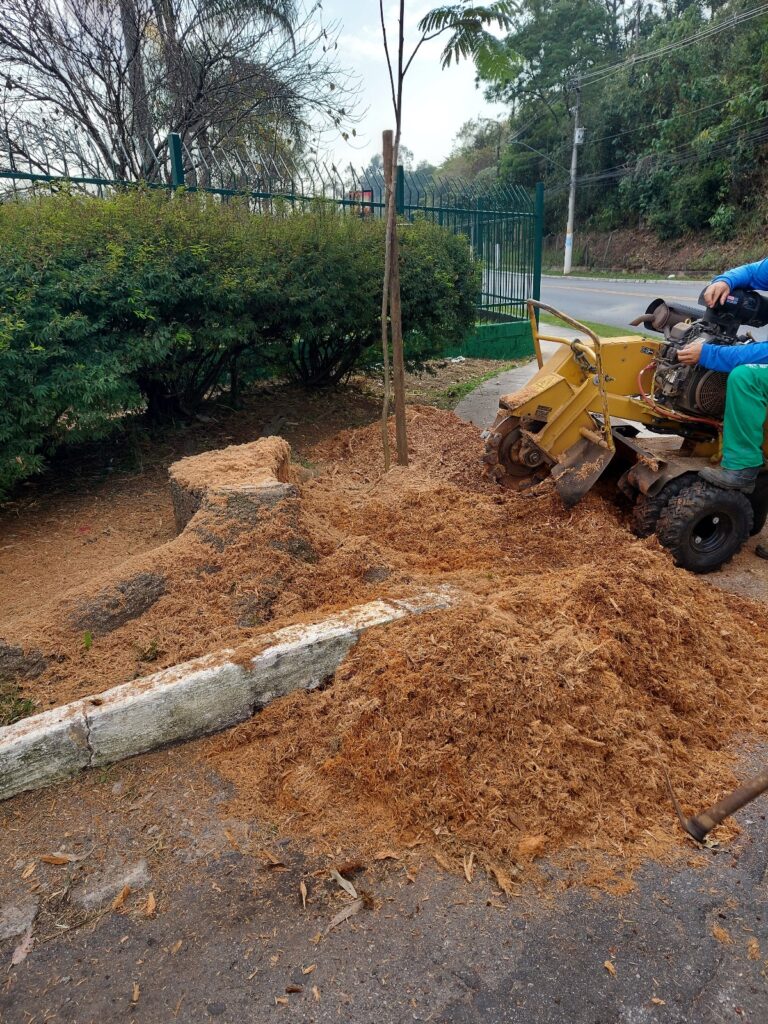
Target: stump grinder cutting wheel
column 584, row 408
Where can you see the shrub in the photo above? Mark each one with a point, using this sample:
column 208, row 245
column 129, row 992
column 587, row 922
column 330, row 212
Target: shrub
column 142, row 302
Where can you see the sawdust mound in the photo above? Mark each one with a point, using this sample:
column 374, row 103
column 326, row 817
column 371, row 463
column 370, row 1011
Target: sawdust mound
column 241, row 569
column 538, row 715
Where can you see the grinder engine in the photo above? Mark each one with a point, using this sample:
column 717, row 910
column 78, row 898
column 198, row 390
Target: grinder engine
column 695, row 390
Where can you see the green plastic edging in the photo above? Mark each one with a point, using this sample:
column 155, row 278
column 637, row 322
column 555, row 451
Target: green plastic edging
column 495, row 341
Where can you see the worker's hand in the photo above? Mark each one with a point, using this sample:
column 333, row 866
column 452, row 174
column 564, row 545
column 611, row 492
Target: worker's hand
column 690, row 354
column 716, row 294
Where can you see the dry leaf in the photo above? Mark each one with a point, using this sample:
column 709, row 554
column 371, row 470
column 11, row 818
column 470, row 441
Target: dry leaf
column 753, row 949
column 610, row 968
column 658, row 1002
column 176, row 947
column 531, row 846
column 293, row 989
column 136, row 992
column 24, row 948
column 722, row 935
column 469, row 867
column 343, row 915
column 282, row 1000
column 151, row 906
column 386, row 855
column 441, row 861
column 29, row 869
column 121, row 897
column 316, row 993
column 345, row 884
column 303, row 891
column 308, row 970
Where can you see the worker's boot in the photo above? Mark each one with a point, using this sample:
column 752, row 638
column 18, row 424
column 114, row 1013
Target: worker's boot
column 731, row 479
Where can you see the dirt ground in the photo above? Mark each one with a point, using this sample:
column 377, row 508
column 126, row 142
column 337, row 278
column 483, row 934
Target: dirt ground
column 97, row 506
column 640, row 250
column 153, row 902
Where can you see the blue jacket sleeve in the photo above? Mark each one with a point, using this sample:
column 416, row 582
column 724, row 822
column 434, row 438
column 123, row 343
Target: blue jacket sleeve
column 728, row 357
column 751, row 275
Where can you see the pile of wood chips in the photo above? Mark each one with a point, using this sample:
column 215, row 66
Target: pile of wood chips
column 537, row 716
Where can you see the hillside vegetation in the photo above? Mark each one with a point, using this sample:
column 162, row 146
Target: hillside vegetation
column 675, row 142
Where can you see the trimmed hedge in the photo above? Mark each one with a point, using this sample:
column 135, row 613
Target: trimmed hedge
column 145, row 302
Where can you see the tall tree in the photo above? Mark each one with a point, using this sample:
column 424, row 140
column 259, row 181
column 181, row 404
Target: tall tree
column 99, row 84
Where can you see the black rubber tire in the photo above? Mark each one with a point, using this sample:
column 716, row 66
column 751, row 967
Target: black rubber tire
column 758, row 499
column 647, row 508
column 704, row 526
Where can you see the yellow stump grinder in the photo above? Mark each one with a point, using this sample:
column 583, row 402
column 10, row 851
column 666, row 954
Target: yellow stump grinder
column 598, row 402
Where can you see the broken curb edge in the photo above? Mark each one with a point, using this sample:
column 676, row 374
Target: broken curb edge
column 189, row 700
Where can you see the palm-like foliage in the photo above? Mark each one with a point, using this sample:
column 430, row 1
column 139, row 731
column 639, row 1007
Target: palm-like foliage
column 469, row 37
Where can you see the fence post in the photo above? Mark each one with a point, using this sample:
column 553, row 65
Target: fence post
column 538, row 238
column 177, row 160
column 400, row 191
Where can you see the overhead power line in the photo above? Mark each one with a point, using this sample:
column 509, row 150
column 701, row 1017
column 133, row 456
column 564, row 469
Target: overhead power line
column 662, row 120
column 606, row 70
column 677, row 155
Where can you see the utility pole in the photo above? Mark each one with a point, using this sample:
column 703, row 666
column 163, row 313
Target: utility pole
column 578, row 138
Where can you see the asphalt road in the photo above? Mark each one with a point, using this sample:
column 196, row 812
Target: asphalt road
column 613, row 302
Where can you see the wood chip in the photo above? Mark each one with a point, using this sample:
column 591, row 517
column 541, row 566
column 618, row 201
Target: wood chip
column 303, row 891
column 136, row 992
column 386, row 855
column 121, row 897
column 24, row 948
column 531, row 846
column 294, row 989
column 29, row 869
column 316, row 993
column 610, row 968
column 722, row 935
column 151, row 906
column 753, row 949
column 469, row 867
column 309, row 970
column 282, row 1001
column 658, row 1002
column 503, row 881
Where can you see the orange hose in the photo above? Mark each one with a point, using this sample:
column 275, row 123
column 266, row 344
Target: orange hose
column 667, row 413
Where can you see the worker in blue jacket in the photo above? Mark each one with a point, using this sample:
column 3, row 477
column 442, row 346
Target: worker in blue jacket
column 746, row 400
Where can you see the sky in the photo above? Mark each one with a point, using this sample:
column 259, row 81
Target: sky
column 436, row 102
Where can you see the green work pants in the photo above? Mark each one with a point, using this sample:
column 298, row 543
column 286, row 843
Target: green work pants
column 746, row 403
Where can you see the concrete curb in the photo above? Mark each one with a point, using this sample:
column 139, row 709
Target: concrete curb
column 188, row 700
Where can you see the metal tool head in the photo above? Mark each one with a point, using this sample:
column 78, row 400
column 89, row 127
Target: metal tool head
column 692, row 826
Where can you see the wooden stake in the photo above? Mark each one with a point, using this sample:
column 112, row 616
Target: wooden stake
column 386, row 145
column 396, row 318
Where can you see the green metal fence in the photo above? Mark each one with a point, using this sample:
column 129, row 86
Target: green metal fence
column 502, row 222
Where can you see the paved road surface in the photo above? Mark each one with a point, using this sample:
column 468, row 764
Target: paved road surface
column 613, row 302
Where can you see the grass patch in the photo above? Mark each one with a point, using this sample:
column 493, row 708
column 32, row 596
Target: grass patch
column 627, row 275
column 13, row 706
column 602, row 330
column 451, row 396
